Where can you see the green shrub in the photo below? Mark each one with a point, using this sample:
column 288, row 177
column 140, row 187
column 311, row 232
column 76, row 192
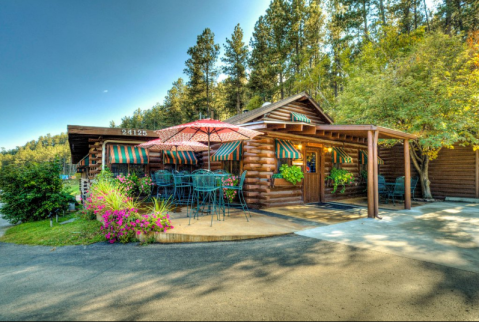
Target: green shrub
column 31, row 191
column 340, row 177
column 292, row 174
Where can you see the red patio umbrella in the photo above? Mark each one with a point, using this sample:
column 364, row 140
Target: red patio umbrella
column 158, row 144
column 206, row 130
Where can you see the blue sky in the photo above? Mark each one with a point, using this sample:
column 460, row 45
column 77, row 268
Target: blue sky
column 89, row 62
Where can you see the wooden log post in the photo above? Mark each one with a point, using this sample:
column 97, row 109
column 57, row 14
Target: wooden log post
column 370, row 175
column 407, row 176
column 477, row 174
column 376, row 174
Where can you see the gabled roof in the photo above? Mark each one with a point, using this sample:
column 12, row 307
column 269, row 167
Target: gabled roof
column 254, row 114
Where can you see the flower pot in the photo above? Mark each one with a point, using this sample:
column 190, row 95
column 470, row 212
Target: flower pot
column 278, row 182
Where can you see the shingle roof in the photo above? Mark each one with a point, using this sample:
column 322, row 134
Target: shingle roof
column 251, row 115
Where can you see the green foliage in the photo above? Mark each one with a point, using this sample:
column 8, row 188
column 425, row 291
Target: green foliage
column 235, row 59
column 254, row 103
column 31, row 191
column 277, row 176
column 45, row 148
column 340, row 177
column 292, row 174
column 161, row 205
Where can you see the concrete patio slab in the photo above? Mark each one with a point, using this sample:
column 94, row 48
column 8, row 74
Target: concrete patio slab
column 234, row 227
column 443, row 233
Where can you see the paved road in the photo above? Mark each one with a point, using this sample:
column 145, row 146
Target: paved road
column 4, row 225
column 281, row 278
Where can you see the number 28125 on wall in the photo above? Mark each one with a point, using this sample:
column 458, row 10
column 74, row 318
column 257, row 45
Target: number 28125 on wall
column 133, row 132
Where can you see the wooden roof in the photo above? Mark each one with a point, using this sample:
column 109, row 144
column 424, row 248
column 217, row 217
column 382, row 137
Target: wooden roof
column 264, row 110
column 357, row 134
column 80, row 137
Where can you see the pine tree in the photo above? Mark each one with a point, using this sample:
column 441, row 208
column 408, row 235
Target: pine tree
column 202, row 70
column 278, row 18
column 235, row 59
column 262, row 79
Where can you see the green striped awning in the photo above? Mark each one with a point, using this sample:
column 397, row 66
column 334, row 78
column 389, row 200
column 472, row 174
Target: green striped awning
column 340, row 156
column 85, row 162
column 286, row 150
column 229, row 151
column 363, row 158
column 298, row 117
column 180, row 157
column 128, row 154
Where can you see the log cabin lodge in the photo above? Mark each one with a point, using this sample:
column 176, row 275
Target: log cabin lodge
column 296, row 131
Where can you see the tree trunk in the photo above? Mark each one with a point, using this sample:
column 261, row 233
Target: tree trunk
column 365, row 17
column 383, row 14
column 281, row 84
column 427, row 18
column 421, row 163
column 238, row 100
column 425, row 185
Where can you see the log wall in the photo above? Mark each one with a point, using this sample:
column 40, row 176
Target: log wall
column 358, row 188
column 259, row 159
column 452, row 174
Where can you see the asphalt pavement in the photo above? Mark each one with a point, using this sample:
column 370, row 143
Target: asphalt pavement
column 281, row 278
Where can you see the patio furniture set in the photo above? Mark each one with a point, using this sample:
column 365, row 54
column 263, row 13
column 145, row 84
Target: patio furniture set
column 201, row 191
column 394, row 190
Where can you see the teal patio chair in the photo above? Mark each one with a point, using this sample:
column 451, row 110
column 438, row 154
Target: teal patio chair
column 205, row 190
column 239, row 189
column 397, row 190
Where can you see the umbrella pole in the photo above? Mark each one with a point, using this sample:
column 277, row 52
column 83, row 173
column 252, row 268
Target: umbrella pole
column 209, row 167
column 176, row 165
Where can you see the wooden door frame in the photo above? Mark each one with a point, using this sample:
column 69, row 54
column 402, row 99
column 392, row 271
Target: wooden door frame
column 319, row 169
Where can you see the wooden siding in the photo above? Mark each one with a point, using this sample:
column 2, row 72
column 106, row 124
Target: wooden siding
column 358, row 188
column 284, row 113
column 452, row 174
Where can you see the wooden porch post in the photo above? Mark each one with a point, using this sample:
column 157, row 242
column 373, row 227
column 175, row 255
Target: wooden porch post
column 376, row 173
column 407, row 176
column 477, row 174
column 322, row 177
column 370, row 175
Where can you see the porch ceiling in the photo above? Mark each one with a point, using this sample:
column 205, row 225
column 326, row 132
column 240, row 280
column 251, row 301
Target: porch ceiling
column 342, row 133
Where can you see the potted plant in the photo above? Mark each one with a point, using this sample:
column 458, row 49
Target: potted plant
column 340, row 177
column 288, row 177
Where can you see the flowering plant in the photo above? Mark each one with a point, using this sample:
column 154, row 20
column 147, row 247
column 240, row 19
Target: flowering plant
column 230, row 194
column 125, row 225
column 144, row 184
column 129, row 183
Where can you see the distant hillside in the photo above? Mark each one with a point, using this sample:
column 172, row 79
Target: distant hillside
column 45, row 148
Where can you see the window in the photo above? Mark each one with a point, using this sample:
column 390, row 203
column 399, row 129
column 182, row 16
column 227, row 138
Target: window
column 233, row 167
column 284, row 161
column 123, row 168
column 311, row 160
column 119, row 168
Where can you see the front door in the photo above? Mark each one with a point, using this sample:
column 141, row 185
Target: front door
column 312, row 175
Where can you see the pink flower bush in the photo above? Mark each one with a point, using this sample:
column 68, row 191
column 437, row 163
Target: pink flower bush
column 230, row 194
column 125, row 225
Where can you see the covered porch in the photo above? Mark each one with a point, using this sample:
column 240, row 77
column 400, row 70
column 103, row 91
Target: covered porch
column 319, row 140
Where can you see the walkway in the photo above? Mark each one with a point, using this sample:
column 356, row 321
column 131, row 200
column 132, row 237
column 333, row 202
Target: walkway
column 442, row 233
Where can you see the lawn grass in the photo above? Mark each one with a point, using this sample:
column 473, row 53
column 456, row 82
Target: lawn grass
column 79, row 232
column 72, row 186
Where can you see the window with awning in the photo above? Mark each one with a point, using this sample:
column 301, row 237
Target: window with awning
column 340, row 156
column 124, row 154
column 298, row 117
column 231, row 151
column 85, row 162
column 180, row 157
column 363, row 158
column 286, row 150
